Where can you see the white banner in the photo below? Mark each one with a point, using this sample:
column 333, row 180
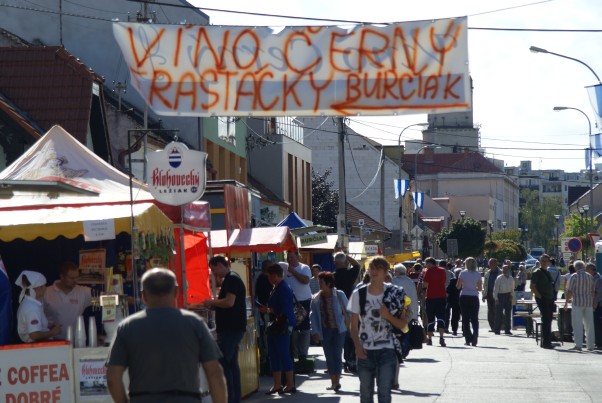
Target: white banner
column 408, row 67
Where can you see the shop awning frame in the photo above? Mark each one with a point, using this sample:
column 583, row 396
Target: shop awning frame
column 50, row 223
column 259, row 240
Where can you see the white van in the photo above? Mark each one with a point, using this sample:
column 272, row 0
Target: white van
column 537, row 252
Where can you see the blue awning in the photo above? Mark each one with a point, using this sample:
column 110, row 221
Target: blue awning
column 292, row 221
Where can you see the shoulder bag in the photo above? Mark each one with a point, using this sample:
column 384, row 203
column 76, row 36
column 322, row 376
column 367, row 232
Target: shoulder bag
column 300, row 311
column 415, row 334
column 277, row 326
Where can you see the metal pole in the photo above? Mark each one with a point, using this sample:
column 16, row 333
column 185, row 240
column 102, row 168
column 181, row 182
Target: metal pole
column 416, row 190
column 590, row 168
column 342, row 221
column 401, row 198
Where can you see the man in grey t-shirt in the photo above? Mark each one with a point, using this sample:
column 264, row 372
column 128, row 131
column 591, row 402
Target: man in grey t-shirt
column 162, row 347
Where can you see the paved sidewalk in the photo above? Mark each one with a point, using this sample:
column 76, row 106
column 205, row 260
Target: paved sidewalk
column 501, row 368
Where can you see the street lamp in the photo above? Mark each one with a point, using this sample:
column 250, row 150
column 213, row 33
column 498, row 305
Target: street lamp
column 526, row 241
column 490, row 224
column 589, row 168
column 585, row 210
column 400, row 195
column 432, row 146
column 535, row 49
column 557, row 217
column 504, row 227
column 462, row 214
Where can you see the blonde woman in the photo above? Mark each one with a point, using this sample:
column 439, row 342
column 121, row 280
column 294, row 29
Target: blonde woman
column 470, row 283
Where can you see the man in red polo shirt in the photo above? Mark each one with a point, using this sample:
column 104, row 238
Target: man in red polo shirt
column 434, row 282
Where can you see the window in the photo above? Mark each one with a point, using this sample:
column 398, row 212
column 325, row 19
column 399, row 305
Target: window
column 226, row 129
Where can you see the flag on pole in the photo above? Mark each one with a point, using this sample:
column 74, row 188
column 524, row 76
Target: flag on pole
column 595, row 98
column 597, row 145
column 418, row 200
column 401, row 187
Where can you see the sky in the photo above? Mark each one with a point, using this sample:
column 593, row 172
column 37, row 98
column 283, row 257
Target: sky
column 515, row 90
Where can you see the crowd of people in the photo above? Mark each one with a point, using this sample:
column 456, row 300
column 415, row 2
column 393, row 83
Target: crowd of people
column 359, row 319
column 348, row 305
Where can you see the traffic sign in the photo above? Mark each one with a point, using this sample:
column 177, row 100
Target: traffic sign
column 574, row 244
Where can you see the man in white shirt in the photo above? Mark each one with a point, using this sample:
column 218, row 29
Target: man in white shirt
column 65, row 300
column 297, row 276
column 502, row 294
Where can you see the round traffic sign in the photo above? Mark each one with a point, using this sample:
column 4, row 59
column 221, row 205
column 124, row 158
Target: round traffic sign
column 574, row 244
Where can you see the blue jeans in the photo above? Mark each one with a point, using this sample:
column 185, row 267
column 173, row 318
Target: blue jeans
column 228, row 343
column 332, row 343
column 381, row 365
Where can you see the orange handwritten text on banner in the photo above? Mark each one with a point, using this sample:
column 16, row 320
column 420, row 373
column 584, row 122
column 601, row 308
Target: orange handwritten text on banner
column 399, row 68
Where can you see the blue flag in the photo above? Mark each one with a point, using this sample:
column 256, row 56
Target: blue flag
column 418, row 200
column 401, row 187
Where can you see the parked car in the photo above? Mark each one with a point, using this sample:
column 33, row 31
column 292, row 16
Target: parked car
column 530, row 261
column 537, row 252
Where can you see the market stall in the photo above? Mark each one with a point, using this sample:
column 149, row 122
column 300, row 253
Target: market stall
column 239, row 246
column 59, row 202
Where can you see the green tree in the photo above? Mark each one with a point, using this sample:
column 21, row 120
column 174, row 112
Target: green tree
column 324, row 199
column 505, row 249
column 538, row 216
column 577, row 226
column 470, row 236
column 512, row 234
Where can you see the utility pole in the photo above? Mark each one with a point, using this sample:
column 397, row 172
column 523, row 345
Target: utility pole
column 343, row 237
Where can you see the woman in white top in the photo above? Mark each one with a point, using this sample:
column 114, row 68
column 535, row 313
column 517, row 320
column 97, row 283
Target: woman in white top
column 470, row 283
column 32, row 324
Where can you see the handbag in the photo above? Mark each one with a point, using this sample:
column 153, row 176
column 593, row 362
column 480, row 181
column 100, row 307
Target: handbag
column 345, row 314
column 300, row 311
column 277, row 326
column 415, row 334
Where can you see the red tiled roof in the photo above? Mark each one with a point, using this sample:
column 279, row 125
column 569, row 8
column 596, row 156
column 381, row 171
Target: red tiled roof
column 466, row 162
column 354, row 214
column 434, row 223
column 50, row 85
column 19, row 118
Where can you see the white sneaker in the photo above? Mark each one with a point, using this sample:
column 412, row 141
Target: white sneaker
column 575, row 348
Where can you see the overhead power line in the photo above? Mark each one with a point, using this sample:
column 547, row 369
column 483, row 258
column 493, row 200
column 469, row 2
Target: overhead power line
column 295, row 17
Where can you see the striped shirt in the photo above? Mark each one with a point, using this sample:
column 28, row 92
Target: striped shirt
column 581, row 285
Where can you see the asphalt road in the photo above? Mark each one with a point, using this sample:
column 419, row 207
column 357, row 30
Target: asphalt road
column 500, row 369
